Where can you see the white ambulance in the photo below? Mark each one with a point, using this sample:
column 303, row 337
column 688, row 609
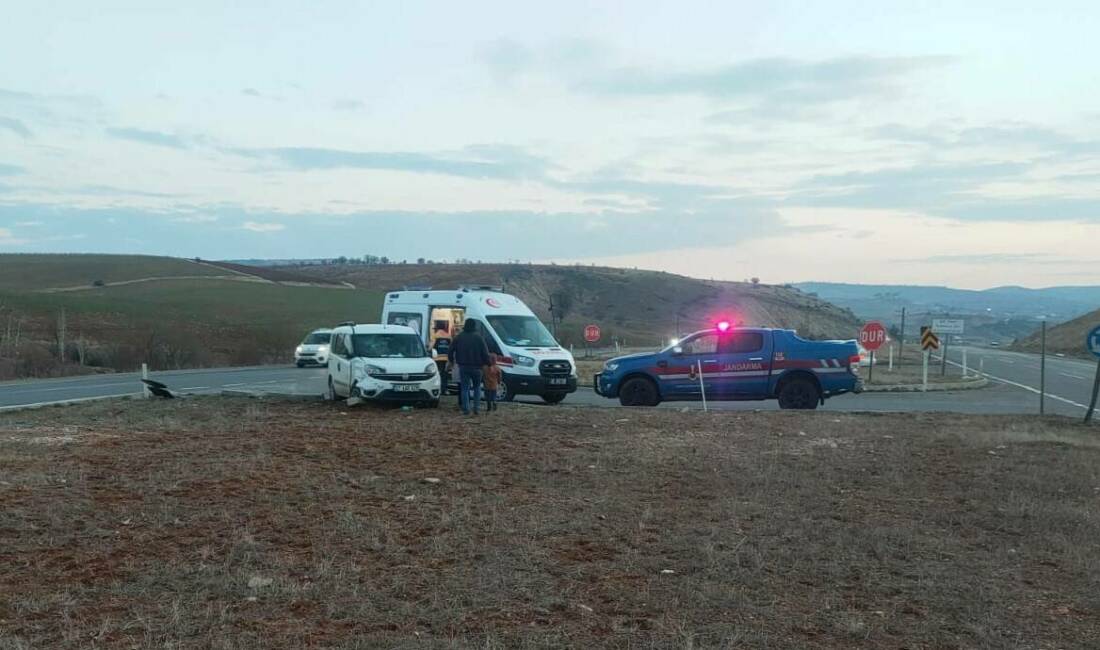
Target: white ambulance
column 532, row 362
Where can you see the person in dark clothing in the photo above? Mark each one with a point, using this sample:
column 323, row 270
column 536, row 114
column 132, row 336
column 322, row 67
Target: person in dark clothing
column 469, row 352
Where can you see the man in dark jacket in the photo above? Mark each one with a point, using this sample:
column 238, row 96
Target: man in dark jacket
column 469, row 352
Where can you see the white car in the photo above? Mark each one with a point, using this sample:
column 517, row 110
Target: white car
column 313, row 350
column 381, row 363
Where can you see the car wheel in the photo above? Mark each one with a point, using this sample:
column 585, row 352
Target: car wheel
column 330, row 395
column 553, row 398
column 300, row 364
column 799, row 393
column 638, row 391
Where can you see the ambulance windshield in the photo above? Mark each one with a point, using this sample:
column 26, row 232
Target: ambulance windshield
column 522, row 331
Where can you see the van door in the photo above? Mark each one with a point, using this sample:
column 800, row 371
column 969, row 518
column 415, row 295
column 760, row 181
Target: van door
column 410, row 316
column 745, row 357
column 339, row 364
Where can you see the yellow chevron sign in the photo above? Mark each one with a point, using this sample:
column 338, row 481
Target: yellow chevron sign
column 928, row 339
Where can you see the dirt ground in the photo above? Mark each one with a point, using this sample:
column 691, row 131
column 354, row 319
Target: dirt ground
column 229, row 523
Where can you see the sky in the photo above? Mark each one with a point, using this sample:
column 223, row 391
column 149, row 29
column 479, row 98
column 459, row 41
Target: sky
column 879, row 142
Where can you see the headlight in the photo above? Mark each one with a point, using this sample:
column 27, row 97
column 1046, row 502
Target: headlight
column 430, row 369
column 298, row 350
column 611, row 366
column 521, row 360
column 322, row 349
column 373, row 370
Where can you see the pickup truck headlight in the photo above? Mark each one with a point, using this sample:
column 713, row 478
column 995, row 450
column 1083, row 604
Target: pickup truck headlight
column 611, row 366
column 521, row 360
column 430, row 369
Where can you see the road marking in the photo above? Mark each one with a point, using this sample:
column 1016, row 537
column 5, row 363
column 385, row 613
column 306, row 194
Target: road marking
column 47, row 390
column 193, row 388
column 243, row 383
column 1011, row 363
column 1027, row 388
column 19, row 407
column 1066, row 374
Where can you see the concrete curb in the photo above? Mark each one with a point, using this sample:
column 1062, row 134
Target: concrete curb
column 66, row 402
column 262, row 394
column 971, row 384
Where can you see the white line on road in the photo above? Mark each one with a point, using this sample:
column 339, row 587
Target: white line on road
column 194, row 388
column 1066, row 374
column 243, row 383
column 1027, row 388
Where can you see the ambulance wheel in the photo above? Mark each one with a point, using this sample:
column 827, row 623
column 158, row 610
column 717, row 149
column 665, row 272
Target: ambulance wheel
column 553, row 398
column 638, row 391
column 503, row 394
column 799, row 393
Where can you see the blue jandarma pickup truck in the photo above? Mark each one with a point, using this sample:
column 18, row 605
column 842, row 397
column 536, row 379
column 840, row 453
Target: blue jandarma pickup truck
column 733, row 363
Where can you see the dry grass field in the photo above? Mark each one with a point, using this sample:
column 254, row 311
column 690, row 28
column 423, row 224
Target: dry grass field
column 228, row 523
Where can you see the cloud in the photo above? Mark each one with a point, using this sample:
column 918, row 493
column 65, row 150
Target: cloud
column 1014, row 136
column 256, row 226
column 10, row 170
column 506, row 59
column 774, row 78
column 348, row 105
column 155, row 138
column 15, row 126
column 475, row 161
column 251, row 92
column 989, row 258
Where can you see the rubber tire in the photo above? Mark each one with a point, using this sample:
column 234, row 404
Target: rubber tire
column 431, row 404
column 300, row 364
column 503, row 394
column 331, row 394
column 553, row 398
column 638, row 391
column 799, row 394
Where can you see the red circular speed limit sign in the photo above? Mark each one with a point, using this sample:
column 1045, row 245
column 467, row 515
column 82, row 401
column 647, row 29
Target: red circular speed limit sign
column 592, row 333
column 872, row 335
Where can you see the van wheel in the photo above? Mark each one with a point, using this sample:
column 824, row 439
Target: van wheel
column 431, row 404
column 330, row 394
column 799, row 393
column 553, row 398
column 638, row 391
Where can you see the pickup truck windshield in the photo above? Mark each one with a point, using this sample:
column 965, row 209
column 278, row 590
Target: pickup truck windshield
column 388, row 346
column 522, row 331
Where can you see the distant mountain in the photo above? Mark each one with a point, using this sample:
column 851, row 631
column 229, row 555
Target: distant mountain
column 1067, row 338
column 881, row 300
column 1001, row 313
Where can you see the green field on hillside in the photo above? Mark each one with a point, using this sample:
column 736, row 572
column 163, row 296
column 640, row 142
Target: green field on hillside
column 28, row 272
column 177, row 323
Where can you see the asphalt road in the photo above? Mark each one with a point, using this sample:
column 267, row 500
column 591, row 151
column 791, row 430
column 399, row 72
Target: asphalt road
column 1014, row 387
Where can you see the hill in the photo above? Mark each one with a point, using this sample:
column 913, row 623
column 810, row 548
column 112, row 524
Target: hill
column 26, row 272
column 1067, row 338
column 640, row 308
column 166, row 312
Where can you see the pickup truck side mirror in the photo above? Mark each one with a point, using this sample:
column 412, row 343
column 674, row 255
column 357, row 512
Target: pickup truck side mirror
column 678, row 351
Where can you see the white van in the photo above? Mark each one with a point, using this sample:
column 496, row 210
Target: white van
column 381, row 363
column 531, row 361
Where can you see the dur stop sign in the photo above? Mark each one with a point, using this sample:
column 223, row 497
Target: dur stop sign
column 872, row 335
column 592, row 333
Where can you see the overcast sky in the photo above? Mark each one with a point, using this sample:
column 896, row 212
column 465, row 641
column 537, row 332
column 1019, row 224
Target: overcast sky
column 948, row 143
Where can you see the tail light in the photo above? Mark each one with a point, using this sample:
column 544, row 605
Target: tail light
column 853, row 363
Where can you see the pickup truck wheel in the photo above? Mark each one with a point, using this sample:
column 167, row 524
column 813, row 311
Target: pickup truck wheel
column 638, row 392
column 799, row 393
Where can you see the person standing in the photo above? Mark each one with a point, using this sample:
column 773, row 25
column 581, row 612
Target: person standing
column 470, row 353
column 491, row 379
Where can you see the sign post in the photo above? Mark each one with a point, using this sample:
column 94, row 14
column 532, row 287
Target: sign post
column 1092, row 343
column 949, row 327
column 871, row 336
column 591, row 335
column 928, row 342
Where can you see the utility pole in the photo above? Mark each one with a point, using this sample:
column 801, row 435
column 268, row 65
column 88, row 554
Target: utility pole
column 901, row 338
column 1043, row 370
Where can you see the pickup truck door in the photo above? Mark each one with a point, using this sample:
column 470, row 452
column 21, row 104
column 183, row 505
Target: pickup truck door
column 746, row 357
column 680, row 376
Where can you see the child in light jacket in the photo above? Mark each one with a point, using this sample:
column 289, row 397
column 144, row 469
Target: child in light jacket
column 490, row 378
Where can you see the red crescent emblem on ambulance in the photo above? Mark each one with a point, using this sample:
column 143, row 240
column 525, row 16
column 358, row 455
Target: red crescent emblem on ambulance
column 492, row 302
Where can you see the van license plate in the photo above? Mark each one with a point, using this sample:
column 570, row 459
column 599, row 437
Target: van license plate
column 406, row 388
column 558, row 381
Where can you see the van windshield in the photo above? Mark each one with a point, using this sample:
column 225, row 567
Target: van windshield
column 317, row 338
column 388, row 346
column 522, row 331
